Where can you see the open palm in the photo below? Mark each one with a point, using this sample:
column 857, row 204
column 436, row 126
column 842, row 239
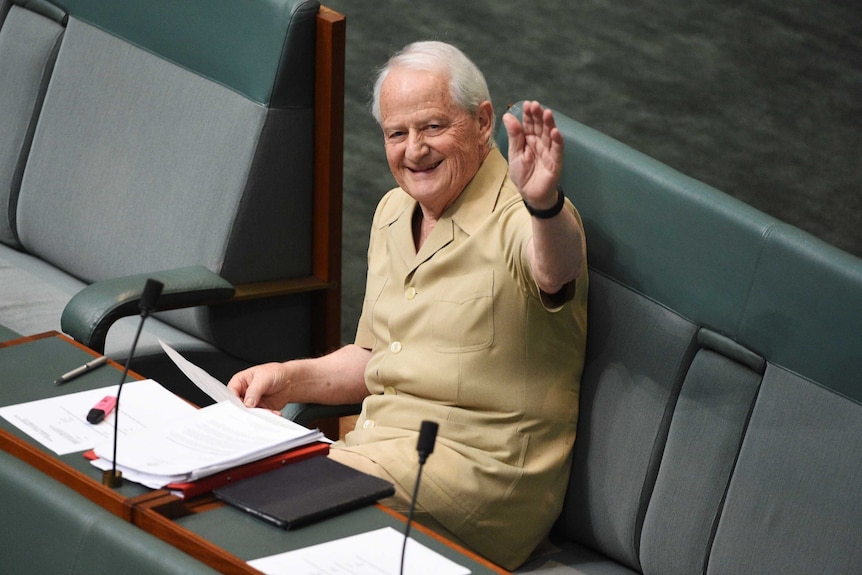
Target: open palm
column 535, row 154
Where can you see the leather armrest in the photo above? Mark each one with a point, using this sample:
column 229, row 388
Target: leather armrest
column 306, row 413
column 91, row 312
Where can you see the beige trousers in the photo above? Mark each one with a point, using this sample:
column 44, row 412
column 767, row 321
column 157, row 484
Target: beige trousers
column 399, row 502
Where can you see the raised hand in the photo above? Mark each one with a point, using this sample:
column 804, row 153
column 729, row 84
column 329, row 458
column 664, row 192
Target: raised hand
column 535, row 154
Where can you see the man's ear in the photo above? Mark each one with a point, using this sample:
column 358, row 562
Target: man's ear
column 485, row 115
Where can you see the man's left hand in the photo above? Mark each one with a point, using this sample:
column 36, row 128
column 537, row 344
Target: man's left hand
column 535, row 155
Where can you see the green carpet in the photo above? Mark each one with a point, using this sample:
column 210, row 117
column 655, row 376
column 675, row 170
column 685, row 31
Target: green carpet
column 762, row 100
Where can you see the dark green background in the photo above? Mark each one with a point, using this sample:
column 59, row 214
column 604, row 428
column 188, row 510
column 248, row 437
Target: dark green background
column 762, row 100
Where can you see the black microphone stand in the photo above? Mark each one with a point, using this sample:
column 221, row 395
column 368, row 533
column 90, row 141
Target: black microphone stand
column 425, row 446
column 149, row 298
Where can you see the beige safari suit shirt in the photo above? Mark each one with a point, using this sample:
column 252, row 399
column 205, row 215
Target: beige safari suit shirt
column 459, row 334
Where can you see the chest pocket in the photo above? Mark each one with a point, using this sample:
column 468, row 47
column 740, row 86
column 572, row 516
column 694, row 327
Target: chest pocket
column 463, row 316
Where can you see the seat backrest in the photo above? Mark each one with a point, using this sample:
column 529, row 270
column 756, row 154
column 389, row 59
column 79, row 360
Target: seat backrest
column 171, row 136
column 794, row 502
column 719, row 339
column 5, row 5
column 654, row 286
column 48, row 528
column 29, row 40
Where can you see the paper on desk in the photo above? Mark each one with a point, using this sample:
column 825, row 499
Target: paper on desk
column 60, row 423
column 372, row 553
column 209, row 440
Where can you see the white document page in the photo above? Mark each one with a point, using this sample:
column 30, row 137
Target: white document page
column 209, row 440
column 373, row 553
column 60, row 423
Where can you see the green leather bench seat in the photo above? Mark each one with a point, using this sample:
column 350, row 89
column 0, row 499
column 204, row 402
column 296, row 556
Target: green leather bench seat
column 48, row 528
column 151, row 136
column 721, row 404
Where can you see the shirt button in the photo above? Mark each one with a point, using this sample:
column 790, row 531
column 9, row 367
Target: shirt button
column 410, row 293
column 389, row 390
column 395, row 347
column 368, row 424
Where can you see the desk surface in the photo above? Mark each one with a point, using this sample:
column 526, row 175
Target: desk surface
column 219, row 535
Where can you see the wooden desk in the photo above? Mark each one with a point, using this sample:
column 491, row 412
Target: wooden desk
column 218, row 535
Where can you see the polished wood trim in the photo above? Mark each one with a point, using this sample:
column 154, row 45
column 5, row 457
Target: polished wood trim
column 53, row 467
column 328, row 144
column 273, row 288
column 152, row 511
column 328, row 176
column 27, row 338
column 434, row 535
column 67, row 339
column 72, row 478
column 151, row 520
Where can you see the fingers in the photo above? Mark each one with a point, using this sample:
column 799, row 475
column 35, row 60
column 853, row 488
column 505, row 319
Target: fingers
column 535, row 151
column 538, row 121
column 514, row 130
column 241, row 386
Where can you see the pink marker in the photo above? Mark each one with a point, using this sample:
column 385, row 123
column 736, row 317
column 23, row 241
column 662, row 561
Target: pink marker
column 101, row 410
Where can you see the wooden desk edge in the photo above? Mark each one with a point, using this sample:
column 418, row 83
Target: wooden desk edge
column 451, row 544
column 149, row 516
column 51, row 465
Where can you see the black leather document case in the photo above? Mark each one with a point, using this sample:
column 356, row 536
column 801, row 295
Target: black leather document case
column 306, row 491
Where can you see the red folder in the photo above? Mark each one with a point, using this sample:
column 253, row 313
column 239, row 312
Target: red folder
column 206, row 484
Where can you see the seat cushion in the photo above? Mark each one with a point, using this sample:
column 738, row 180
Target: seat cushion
column 705, row 434
column 569, row 558
column 35, row 293
column 794, row 505
column 48, row 528
column 637, row 355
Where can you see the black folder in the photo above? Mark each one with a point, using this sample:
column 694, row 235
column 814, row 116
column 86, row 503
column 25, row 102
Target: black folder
column 303, row 492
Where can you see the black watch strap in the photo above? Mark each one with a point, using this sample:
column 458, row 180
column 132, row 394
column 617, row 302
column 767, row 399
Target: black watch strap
column 550, row 212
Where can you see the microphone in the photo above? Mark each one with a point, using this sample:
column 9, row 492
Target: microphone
column 149, row 300
column 427, row 437
column 425, row 446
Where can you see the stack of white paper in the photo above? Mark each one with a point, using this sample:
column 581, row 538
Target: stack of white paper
column 213, row 439
column 209, row 440
column 162, row 439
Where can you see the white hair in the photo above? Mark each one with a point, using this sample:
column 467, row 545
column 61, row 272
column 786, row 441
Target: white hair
column 467, row 85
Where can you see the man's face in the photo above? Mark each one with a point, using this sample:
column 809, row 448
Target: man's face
column 433, row 147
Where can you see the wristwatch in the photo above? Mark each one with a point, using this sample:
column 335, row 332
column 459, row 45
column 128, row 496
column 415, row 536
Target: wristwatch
column 550, row 212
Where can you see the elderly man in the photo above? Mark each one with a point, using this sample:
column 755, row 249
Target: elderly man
column 474, row 314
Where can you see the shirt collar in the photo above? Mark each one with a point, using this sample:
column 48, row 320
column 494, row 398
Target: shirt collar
column 481, row 195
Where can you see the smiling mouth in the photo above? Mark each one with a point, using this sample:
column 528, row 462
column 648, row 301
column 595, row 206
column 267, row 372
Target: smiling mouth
column 426, row 169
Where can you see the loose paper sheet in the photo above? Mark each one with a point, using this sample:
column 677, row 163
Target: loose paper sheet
column 60, row 423
column 372, row 553
column 207, row 383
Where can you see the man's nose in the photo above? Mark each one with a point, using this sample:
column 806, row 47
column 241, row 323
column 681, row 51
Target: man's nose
column 416, row 147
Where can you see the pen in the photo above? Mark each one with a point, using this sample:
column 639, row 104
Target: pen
column 89, row 366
